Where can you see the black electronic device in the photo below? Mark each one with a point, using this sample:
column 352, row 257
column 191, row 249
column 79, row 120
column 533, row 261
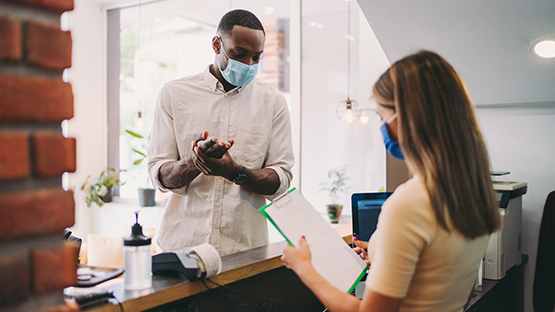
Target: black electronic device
column 89, row 300
column 172, row 262
column 366, row 208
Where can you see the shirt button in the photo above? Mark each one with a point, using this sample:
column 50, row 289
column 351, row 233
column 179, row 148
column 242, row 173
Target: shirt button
column 217, row 204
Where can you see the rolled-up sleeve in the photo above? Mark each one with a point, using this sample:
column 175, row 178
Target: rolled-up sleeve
column 162, row 145
column 280, row 156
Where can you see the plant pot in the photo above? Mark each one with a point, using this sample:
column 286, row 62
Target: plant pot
column 108, row 197
column 146, row 197
column 334, row 212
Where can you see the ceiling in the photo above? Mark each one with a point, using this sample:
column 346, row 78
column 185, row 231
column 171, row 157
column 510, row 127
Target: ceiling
column 488, row 42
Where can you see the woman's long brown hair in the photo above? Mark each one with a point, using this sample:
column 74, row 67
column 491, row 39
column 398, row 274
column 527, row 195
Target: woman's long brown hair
column 441, row 141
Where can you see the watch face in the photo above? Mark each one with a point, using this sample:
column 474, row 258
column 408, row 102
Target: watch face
column 242, row 176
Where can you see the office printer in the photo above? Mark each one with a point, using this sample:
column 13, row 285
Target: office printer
column 504, row 249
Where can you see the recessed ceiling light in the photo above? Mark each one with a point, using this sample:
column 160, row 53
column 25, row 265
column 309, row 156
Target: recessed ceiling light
column 545, row 49
column 312, row 24
column 320, row 25
column 269, row 10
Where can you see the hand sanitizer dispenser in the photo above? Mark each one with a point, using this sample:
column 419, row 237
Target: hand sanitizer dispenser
column 137, row 259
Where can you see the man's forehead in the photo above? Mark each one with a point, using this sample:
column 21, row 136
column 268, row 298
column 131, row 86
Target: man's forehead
column 241, row 33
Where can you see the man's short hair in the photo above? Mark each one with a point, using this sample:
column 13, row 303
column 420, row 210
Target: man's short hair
column 240, row 18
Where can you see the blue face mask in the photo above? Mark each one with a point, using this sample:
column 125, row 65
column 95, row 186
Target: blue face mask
column 237, row 73
column 393, row 148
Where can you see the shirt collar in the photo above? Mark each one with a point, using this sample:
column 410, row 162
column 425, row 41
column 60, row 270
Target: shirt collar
column 215, row 84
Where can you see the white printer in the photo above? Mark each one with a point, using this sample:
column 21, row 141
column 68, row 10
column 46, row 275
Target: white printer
column 504, row 249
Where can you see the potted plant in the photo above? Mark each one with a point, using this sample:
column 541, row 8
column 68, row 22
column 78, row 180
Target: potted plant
column 100, row 190
column 146, row 194
column 335, row 186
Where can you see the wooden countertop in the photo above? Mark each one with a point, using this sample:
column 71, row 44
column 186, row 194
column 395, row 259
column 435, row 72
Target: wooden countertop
column 166, row 289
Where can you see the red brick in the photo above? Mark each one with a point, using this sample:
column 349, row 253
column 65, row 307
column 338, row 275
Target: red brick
column 53, row 154
column 48, row 46
column 14, row 279
column 54, row 268
column 52, row 5
column 10, row 42
column 40, row 99
column 32, row 213
column 14, row 155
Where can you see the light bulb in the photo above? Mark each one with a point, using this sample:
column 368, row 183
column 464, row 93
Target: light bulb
column 349, row 116
column 545, row 49
column 364, row 119
column 139, row 123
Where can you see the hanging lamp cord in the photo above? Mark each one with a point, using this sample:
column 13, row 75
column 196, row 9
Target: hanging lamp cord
column 348, row 50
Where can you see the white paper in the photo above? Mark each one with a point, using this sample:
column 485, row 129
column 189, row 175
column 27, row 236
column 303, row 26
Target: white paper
column 331, row 256
column 209, row 257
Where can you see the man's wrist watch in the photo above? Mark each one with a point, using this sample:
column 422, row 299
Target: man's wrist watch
column 241, row 176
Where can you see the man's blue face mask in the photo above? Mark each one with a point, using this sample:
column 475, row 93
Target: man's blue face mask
column 237, row 73
column 392, row 147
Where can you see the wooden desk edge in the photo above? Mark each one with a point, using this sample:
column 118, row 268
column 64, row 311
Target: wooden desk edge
column 271, row 261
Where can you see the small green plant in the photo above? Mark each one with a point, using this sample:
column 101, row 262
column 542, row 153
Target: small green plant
column 335, row 186
column 99, row 188
column 142, row 155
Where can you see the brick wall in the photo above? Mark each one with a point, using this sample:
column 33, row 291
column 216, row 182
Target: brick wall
column 35, row 263
column 275, row 67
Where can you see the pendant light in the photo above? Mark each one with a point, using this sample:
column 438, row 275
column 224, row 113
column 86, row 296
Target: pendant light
column 348, row 110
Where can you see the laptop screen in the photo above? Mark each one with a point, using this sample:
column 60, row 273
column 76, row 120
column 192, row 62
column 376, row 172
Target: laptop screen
column 366, row 208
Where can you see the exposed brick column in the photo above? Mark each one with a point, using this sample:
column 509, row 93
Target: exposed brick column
column 35, row 262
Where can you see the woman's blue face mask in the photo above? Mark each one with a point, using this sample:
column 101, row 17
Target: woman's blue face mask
column 237, row 73
column 393, row 148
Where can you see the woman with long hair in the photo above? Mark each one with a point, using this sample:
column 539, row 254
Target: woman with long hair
column 433, row 231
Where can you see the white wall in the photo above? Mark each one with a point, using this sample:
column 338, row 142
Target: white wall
column 328, row 142
column 88, row 125
column 521, row 140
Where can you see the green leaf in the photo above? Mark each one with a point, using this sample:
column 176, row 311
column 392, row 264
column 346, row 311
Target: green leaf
column 138, row 161
column 134, row 134
column 139, row 152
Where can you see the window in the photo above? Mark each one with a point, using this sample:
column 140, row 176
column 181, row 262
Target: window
column 154, row 43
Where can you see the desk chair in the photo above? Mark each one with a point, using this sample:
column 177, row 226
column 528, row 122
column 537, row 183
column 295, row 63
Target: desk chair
column 544, row 279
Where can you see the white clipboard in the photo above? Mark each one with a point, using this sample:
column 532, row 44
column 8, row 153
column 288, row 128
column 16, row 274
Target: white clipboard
column 293, row 216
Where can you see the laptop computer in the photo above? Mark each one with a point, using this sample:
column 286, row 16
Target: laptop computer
column 366, row 208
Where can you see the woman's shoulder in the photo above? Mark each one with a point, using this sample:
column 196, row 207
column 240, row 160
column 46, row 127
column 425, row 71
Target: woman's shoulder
column 412, row 193
column 410, row 205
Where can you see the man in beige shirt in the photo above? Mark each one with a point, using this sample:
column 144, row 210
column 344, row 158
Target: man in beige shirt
column 218, row 184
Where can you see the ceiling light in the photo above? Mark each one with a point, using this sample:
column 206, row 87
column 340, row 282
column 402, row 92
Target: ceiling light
column 364, row 118
column 312, row 24
column 545, row 49
column 320, row 25
column 269, row 10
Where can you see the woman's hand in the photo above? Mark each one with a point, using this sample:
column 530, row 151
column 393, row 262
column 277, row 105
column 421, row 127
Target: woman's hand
column 297, row 259
column 362, row 250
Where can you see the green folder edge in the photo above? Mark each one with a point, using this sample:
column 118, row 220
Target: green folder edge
column 265, row 214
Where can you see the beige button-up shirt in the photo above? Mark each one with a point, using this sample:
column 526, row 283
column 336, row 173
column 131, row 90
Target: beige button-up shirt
column 212, row 209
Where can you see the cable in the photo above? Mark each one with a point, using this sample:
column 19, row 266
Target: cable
column 119, row 303
column 261, row 306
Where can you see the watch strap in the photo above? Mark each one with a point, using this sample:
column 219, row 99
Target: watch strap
column 241, row 176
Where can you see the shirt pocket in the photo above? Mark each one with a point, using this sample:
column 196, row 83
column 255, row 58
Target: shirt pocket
column 252, row 141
